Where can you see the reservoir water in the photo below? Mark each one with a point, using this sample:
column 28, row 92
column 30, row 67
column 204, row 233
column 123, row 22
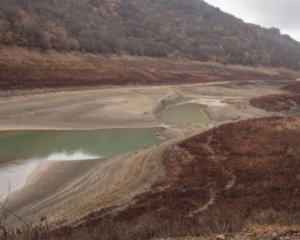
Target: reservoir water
column 21, row 151
column 183, row 114
column 22, row 145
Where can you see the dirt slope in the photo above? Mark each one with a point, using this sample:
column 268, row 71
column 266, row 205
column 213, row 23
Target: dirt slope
column 293, row 87
column 65, row 191
column 214, row 182
column 21, row 68
column 284, row 103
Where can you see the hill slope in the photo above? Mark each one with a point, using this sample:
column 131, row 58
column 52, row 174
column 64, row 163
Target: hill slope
column 21, row 68
column 285, row 103
column 218, row 181
column 185, row 29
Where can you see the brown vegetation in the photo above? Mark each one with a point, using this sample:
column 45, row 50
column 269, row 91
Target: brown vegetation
column 285, row 103
column 27, row 69
column 293, row 87
column 189, row 29
column 228, row 175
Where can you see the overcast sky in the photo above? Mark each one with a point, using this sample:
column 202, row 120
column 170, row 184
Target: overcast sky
column 283, row 14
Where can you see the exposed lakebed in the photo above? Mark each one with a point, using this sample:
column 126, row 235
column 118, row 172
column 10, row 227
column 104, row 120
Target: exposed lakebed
column 21, row 151
column 182, row 114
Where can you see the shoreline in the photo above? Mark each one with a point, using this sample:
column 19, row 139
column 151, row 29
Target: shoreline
column 90, row 182
column 80, row 89
column 34, row 92
column 76, row 129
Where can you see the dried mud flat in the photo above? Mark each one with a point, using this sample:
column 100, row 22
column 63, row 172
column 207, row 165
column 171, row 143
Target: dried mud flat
column 127, row 107
column 57, row 190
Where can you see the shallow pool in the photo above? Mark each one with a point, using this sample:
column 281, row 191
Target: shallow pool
column 182, row 114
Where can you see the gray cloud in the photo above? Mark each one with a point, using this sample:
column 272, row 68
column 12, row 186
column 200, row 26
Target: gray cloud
column 283, row 14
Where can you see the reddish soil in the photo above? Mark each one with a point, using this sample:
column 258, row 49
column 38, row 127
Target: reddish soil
column 215, row 182
column 287, row 103
column 57, row 78
column 293, row 87
column 22, row 68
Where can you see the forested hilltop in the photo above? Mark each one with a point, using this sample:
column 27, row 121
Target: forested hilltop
column 183, row 29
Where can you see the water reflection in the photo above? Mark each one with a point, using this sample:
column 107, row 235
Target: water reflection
column 13, row 177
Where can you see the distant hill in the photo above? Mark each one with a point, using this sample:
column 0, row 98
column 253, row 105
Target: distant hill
column 182, row 29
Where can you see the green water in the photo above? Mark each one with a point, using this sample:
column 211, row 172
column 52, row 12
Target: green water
column 189, row 113
column 16, row 145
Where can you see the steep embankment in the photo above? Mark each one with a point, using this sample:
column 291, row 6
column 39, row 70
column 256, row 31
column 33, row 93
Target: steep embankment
column 284, row 103
column 214, row 182
column 287, row 103
column 21, row 68
column 293, row 87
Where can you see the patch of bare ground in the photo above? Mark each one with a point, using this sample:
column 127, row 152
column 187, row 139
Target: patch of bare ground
column 285, row 103
column 21, row 68
column 219, row 182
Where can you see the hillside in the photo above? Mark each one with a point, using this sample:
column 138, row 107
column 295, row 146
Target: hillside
column 285, row 103
column 293, row 87
column 23, row 69
column 220, row 181
column 180, row 29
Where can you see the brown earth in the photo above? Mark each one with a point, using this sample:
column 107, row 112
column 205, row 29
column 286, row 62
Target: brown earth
column 252, row 232
column 292, row 87
column 214, row 182
column 286, row 103
column 30, row 69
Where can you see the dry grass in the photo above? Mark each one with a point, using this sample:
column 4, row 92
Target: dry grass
column 272, row 217
column 27, row 69
column 285, row 103
column 145, row 228
column 293, row 87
